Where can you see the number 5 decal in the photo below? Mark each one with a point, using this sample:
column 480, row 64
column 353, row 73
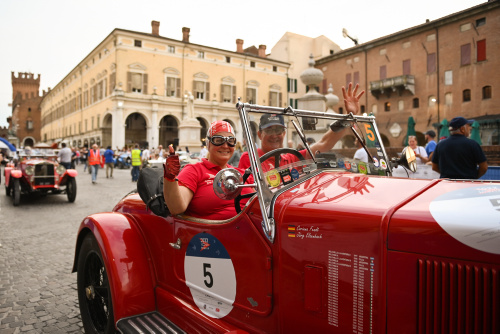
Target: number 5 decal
column 206, row 273
column 369, row 132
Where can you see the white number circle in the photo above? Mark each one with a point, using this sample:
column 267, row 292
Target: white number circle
column 471, row 215
column 210, row 275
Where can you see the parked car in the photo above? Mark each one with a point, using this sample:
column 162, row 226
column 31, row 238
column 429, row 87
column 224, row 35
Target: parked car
column 324, row 245
column 123, row 160
column 36, row 170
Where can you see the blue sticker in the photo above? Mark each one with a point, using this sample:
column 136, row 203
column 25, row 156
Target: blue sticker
column 206, row 245
column 295, row 174
column 341, row 163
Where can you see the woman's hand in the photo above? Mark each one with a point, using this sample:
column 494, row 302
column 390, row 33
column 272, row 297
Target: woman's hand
column 172, row 165
column 351, row 100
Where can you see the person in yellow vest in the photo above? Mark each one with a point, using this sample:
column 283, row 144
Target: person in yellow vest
column 94, row 162
column 136, row 163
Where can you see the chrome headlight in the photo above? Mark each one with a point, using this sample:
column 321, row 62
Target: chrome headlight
column 30, row 170
column 60, row 169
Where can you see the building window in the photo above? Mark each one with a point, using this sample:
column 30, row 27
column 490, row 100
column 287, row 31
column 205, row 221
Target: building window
column 407, row 67
column 292, row 85
column 92, row 123
column 387, row 106
column 86, row 125
column 252, row 64
column 448, row 99
column 275, row 99
column 252, row 95
column 228, row 93
column 431, row 101
column 171, row 49
column 201, row 90
column 98, row 121
column 348, row 79
column 356, row 78
column 465, row 27
column 401, row 105
column 480, row 22
column 465, row 54
column 448, row 78
column 228, row 60
column 341, row 110
column 383, row 72
column 416, row 103
column 374, row 109
column 362, row 109
column 431, row 62
column 173, row 87
column 466, row 95
column 201, row 54
column 138, row 43
column 294, row 103
column 137, row 82
column 29, row 124
column 486, row 92
column 275, row 68
column 481, row 50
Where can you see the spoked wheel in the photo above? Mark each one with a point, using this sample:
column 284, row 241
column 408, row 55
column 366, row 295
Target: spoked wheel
column 16, row 192
column 94, row 294
column 71, row 189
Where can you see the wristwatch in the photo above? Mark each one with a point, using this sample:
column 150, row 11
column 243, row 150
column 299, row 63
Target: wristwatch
column 339, row 125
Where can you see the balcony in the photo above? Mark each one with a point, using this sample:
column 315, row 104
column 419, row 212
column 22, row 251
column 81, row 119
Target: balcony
column 392, row 85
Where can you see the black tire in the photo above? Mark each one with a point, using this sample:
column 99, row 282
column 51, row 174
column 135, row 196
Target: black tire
column 94, row 293
column 16, row 192
column 7, row 191
column 71, row 189
column 119, row 164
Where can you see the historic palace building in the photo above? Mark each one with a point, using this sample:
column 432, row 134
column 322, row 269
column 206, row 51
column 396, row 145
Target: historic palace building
column 144, row 88
column 432, row 72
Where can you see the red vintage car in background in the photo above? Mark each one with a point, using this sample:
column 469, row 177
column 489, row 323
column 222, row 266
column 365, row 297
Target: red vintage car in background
column 36, row 171
column 326, row 245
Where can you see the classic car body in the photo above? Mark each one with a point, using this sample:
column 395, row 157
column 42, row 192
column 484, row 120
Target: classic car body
column 324, row 250
column 36, row 170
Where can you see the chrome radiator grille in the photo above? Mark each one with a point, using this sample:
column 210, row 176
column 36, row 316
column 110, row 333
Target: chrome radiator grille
column 44, row 174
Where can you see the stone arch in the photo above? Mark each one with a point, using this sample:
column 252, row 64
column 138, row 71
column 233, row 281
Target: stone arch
column 168, row 131
column 106, row 127
column 204, row 128
column 135, row 129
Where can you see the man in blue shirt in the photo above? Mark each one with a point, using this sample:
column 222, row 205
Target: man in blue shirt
column 431, row 143
column 458, row 157
column 109, row 161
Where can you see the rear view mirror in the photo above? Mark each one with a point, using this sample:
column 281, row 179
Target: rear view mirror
column 227, row 183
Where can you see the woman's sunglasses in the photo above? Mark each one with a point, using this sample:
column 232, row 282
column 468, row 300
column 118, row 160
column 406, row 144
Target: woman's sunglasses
column 220, row 140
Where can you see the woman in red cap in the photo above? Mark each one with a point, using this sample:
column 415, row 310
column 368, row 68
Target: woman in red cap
column 190, row 191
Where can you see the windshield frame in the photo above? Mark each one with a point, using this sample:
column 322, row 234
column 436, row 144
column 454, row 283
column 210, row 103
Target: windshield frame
column 265, row 196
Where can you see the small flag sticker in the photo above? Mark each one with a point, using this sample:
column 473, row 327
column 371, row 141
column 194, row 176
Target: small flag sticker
column 291, row 231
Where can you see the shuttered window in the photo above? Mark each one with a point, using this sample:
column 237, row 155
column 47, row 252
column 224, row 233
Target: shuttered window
column 465, row 54
column 431, row 63
column 481, row 50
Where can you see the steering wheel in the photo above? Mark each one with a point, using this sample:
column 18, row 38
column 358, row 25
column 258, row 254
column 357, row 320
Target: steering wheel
column 277, row 155
column 277, row 158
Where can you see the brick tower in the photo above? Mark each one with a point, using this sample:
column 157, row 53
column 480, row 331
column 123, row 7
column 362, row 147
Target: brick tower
column 25, row 124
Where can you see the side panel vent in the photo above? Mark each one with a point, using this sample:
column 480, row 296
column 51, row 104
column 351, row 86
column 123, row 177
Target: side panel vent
column 457, row 298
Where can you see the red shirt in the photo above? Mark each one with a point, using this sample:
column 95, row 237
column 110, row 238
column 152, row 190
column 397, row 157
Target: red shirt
column 286, row 159
column 199, row 178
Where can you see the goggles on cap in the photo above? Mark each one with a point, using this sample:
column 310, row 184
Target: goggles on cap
column 274, row 130
column 220, row 140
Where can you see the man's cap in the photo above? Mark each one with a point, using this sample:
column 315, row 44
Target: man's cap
column 310, row 140
column 431, row 133
column 219, row 126
column 268, row 120
column 458, row 122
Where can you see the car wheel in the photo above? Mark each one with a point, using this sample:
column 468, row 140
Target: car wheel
column 94, row 293
column 16, row 192
column 71, row 189
column 7, row 191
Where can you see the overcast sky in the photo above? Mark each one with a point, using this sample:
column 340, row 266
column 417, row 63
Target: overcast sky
column 51, row 37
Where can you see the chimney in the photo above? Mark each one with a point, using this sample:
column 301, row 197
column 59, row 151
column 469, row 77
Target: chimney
column 155, row 25
column 262, row 51
column 185, row 34
column 239, row 45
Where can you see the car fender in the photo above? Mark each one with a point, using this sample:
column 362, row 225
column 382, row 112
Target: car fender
column 16, row 173
column 126, row 259
column 69, row 173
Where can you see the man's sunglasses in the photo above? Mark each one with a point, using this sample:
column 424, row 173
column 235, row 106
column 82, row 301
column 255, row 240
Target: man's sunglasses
column 220, row 140
column 278, row 130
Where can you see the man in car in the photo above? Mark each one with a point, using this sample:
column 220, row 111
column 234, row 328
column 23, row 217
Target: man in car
column 65, row 156
column 272, row 131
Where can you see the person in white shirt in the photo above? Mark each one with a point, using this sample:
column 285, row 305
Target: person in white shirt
column 360, row 153
column 203, row 152
column 420, row 152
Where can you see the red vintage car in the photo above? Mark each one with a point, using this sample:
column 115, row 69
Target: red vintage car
column 36, row 170
column 326, row 245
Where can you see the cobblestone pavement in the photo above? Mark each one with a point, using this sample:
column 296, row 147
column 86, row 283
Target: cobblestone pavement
column 37, row 289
